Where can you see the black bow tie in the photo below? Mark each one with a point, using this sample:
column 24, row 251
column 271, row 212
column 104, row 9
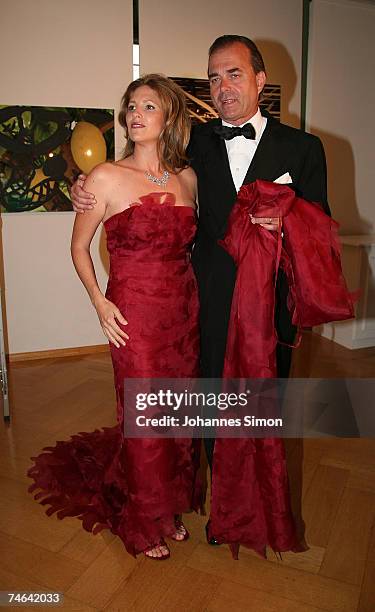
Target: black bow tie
column 228, row 133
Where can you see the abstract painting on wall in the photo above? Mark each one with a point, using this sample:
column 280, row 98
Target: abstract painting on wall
column 199, row 103
column 42, row 151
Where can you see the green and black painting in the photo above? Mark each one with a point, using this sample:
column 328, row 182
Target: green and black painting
column 43, row 149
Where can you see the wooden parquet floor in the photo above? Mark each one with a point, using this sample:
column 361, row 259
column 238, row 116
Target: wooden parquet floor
column 55, row 398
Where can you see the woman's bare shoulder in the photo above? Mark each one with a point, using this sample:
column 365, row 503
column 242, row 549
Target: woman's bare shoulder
column 189, row 177
column 101, row 172
column 188, row 172
column 107, row 173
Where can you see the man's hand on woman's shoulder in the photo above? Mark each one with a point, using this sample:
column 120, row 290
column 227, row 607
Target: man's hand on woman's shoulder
column 81, row 200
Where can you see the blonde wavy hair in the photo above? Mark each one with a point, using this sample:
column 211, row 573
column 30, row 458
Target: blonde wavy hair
column 175, row 135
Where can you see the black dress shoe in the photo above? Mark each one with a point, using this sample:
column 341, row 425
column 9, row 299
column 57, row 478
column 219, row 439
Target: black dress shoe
column 211, row 540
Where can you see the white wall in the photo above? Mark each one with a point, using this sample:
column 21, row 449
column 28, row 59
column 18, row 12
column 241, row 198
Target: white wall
column 175, row 37
column 70, row 53
column 341, row 103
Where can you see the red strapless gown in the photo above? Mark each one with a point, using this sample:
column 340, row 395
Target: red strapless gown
column 134, row 487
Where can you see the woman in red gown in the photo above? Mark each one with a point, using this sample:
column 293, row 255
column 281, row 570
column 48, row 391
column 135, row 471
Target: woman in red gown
column 137, row 487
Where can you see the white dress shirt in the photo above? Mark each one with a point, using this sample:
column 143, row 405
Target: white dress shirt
column 241, row 150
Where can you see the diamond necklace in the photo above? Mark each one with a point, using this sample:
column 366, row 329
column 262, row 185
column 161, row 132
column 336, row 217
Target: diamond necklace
column 162, row 181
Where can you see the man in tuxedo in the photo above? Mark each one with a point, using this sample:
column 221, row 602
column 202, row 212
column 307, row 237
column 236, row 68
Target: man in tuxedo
column 224, row 157
column 223, row 160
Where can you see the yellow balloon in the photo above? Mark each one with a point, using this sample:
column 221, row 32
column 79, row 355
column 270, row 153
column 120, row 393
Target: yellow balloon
column 88, row 146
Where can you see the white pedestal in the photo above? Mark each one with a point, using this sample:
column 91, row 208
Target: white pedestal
column 358, row 260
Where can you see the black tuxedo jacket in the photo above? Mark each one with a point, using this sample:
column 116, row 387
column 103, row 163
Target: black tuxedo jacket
column 281, row 149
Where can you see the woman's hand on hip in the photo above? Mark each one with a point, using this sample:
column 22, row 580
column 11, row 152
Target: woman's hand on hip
column 109, row 314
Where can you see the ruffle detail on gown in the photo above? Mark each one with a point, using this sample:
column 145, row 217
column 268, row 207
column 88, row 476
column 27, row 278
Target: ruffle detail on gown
column 77, row 478
column 86, row 477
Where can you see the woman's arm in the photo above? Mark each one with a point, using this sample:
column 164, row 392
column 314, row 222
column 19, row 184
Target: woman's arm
column 84, row 229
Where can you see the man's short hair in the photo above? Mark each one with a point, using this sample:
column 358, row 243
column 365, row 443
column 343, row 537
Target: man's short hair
column 256, row 58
